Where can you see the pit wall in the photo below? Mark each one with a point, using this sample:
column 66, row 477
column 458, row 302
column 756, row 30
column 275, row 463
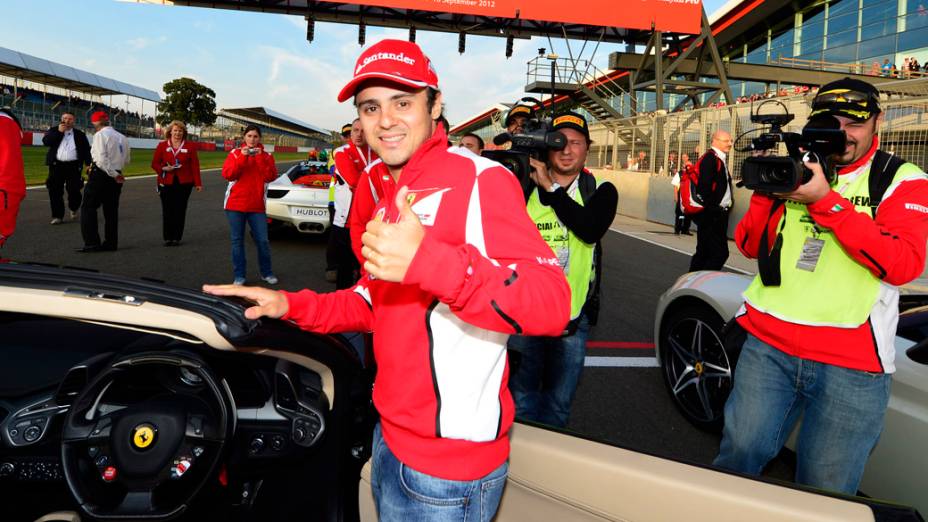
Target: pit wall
column 650, row 197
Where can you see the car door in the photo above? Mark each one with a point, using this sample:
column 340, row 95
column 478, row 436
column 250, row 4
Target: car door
column 558, row 476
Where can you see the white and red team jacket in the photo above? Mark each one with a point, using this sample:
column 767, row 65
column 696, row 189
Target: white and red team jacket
column 12, row 176
column 350, row 162
column 248, row 177
column 481, row 273
column 892, row 247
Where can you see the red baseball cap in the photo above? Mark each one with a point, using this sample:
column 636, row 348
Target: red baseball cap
column 395, row 60
column 99, row 116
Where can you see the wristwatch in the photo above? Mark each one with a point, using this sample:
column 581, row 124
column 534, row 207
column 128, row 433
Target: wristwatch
column 554, row 186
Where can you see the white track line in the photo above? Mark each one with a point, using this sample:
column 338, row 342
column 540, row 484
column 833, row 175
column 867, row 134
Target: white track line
column 655, row 243
column 592, row 361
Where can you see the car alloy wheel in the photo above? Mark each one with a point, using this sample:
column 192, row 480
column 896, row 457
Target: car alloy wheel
column 696, row 367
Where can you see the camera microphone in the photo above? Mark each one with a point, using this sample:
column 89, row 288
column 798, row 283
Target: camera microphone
column 502, row 138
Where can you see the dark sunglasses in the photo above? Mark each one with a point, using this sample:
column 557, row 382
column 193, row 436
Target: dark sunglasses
column 844, row 96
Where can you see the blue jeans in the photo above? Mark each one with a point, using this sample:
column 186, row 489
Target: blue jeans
column 257, row 221
column 545, row 380
column 842, row 412
column 403, row 494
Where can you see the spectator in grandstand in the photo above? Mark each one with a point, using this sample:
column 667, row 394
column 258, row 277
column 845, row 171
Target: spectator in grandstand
column 472, row 142
column 672, row 164
column 641, row 164
column 249, row 169
column 12, row 175
column 886, row 69
column 109, row 154
column 68, row 154
column 177, row 170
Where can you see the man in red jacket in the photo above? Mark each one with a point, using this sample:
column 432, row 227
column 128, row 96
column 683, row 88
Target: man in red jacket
column 350, row 161
column 455, row 266
column 821, row 315
column 12, row 176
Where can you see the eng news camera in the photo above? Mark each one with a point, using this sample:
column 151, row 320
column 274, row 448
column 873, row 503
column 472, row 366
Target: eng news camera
column 534, row 141
column 821, row 138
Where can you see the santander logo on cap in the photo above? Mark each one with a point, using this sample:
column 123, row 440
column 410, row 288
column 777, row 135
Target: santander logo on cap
column 367, row 60
column 398, row 61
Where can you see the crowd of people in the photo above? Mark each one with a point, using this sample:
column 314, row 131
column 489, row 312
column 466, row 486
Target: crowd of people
column 910, row 68
column 444, row 257
column 10, row 95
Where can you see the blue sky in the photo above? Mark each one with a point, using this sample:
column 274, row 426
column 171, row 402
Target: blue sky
column 256, row 59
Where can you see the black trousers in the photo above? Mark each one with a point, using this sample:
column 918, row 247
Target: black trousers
column 174, row 200
column 346, row 265
column 101, row 191
column 63, row 175
column 681, row 222
column 711, row 240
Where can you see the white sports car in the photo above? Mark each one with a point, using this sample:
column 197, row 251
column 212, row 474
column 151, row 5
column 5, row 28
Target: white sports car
column 124, row 399
column 300, row 198
column 698, row 359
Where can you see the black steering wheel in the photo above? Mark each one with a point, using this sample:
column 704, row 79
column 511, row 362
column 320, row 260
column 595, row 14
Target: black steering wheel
column 134, row 446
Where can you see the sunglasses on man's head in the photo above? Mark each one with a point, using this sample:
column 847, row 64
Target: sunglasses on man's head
column 843, row 96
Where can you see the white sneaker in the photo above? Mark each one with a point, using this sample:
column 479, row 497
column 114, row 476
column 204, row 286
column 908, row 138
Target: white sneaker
column 73, row 215
column 239, row 281
column 55, row 221
column 271, row 280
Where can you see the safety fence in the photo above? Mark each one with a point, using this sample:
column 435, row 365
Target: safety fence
column 620, row 145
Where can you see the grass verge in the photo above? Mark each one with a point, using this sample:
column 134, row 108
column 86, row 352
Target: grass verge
column 37, row 171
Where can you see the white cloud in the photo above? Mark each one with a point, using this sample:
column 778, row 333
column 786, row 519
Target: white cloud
column 142, row 42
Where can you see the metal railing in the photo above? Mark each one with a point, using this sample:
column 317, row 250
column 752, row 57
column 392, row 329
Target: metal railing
column 852, row 68
column 904, row 130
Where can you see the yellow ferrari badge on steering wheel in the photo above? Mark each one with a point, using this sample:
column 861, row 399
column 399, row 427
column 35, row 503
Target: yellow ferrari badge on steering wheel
column 143, row 436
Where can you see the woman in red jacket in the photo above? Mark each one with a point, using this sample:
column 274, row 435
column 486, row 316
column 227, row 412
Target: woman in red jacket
column 12, row 176
column 178, row 168
column 249, row 169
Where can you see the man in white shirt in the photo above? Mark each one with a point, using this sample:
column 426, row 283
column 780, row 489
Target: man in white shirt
column 714, row 193
column 110, row 153
column 68, row 153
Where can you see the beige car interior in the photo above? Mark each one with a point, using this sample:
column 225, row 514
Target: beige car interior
column 146, row 316
column 558, row 477
column 552, row 476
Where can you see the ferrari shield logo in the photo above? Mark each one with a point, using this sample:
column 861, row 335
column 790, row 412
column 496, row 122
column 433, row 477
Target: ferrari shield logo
column 143, row 436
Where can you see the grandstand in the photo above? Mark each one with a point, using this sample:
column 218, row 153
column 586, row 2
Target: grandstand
column 40, row 90
column 284, row 132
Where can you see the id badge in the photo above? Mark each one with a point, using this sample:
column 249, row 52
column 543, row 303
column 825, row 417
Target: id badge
column 563, row 257
column 811, row 252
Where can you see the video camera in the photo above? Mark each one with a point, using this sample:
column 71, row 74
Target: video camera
column 820, row 139
column 535, row 141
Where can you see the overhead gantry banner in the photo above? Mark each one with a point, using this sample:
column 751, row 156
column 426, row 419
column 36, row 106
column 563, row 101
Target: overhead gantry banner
column 676, row 16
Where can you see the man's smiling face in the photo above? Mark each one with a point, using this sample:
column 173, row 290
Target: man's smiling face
column 396, row 120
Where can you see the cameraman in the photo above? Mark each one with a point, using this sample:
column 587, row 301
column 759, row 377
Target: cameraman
column 820, row 343
column 572, row 210
column 517, row 116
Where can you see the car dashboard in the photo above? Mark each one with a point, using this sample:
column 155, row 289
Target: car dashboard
column 282, row 411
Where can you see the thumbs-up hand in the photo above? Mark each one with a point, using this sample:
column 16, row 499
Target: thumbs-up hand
column 390, row 247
